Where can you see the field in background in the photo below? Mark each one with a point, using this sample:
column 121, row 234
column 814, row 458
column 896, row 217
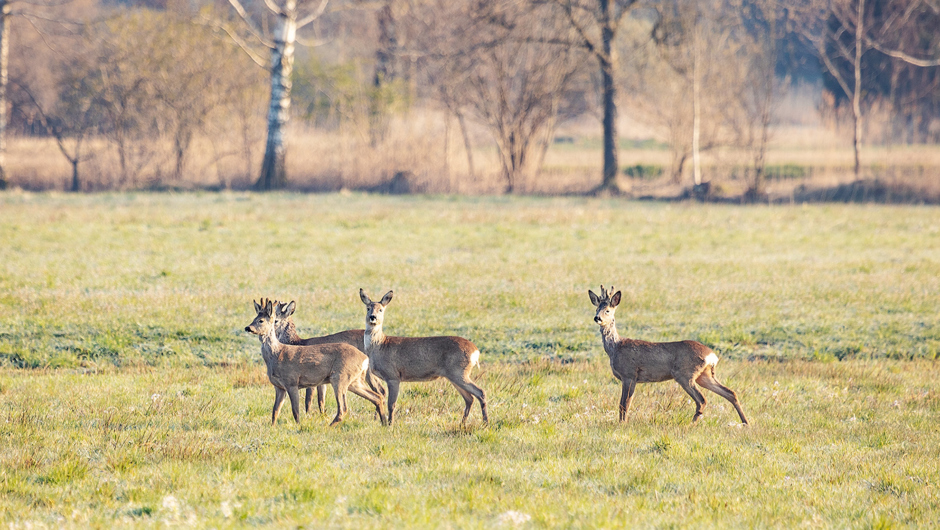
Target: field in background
column 428, row 150
column 130, row 394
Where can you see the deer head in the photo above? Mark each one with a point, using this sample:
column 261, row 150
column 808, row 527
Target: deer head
column 265, row 321
column 606, row 305
column 375, row 311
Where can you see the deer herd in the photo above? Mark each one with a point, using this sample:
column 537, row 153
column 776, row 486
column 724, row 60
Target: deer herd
column 356, row 360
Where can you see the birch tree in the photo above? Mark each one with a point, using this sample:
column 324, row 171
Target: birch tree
column 836, row 31
column 289, row 17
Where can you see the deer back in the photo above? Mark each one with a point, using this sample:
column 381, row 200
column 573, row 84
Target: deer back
column 353, row 337
column 658, row 361
column 313, row 365
column 423, row 358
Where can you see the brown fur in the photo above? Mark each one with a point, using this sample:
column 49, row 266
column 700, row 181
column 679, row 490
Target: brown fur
column 637, row 361
column 293, row 367
column 397, row 359
column 287, row 334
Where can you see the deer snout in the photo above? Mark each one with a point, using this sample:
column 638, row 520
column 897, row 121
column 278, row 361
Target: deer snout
column 597, row 319
column 248, row 329
column 372, row 319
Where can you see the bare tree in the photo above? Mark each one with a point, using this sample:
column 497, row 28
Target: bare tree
column 750, row 113
column 498, row 62
column 836, row 31
column 70, row 120
column 290, row 16
column 30, row 10
column 595, row 25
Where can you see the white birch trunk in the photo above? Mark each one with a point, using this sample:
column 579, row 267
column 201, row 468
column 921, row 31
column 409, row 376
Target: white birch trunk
column 4, row 79
column 857, row 96
column 273, row 169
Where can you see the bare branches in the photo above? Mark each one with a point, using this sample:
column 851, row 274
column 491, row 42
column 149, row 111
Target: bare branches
column 315, row 14
column 237, row 39
column 249, row 22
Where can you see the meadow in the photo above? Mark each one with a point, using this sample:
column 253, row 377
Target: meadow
column 130, row 394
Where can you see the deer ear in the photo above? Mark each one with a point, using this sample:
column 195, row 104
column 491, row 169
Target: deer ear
column 257, row 306
column 594, row 299
column 288, row 310
column 615, row 299
column 364, row 297
column 387, row 298
column 268, row 308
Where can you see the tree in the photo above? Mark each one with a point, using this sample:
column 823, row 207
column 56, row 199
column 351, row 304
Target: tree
column 836, row 31
column 72, row 117
column 595, row 24
column 290, row 16
column 30, row 10
column 497, row 61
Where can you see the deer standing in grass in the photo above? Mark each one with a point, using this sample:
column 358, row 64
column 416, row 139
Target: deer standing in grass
column 636, row 361
column 397, row 359
column 287, row 334
column 293, row 367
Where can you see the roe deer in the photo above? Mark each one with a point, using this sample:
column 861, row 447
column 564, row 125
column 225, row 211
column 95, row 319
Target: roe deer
column 636, row 361
column 292, row 367
column 397, row 359
column 287, row 334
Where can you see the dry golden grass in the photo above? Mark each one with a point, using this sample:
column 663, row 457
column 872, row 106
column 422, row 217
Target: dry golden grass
column 428, row 147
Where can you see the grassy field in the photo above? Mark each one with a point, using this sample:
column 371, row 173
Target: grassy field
column 130, row 394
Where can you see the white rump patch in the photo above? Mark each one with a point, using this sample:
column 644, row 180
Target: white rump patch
column 365, row 365
column 475, row 358
column 711, row 359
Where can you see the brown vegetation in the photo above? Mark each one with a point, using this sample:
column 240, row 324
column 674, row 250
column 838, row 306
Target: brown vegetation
column 464, row 97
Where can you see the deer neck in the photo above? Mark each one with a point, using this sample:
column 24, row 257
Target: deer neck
column 610, row 337
column 373, row 337
column 270, row 346
column 290, row 333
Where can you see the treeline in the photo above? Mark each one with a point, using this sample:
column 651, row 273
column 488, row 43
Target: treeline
column 147, row 89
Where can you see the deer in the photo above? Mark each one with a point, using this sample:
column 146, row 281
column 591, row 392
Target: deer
column 292, row 367
column 406, row 359
column 287, row 334
column 636, row 361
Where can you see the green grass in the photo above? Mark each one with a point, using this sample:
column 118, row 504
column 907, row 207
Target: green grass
column 130, row 394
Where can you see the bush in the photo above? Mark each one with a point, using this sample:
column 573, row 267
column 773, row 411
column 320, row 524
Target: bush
column 643, row 172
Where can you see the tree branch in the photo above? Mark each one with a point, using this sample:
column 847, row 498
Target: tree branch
column 313, row 15
column 898, row 54
column 252, row 27
column 237, row 39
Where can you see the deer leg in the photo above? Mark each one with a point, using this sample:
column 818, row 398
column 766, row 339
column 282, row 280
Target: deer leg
column 709, row 381
column 392, row 398
column 279, row 394
column 308, row 399
column 696, row 396
column 339, row 389
column 374, row 383
column 467, row 386
column 626, row 397
column 357, row 387
column 468, row 400
column 292, row 393
column 321, row 397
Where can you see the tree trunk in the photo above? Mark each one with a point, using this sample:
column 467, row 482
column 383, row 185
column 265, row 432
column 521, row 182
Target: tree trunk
column 76, row 183
column 384, row 74
column 273, row 168
column 696, row 113
column 611, row 167
column 856, row 97
column 466, row 141
column 4, row 79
